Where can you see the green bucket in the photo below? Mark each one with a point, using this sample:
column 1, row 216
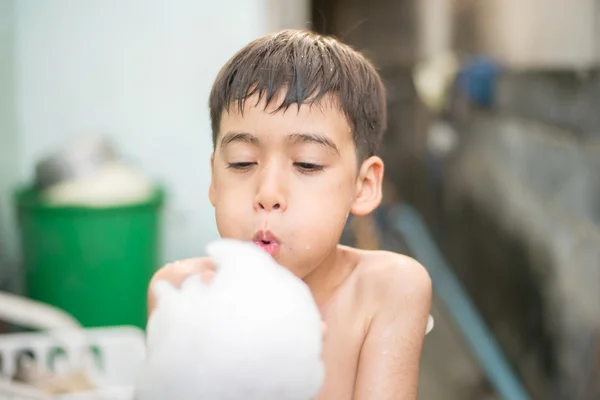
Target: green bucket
column 95, row 263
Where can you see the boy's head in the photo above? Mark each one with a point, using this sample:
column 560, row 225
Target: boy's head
column 297, row 119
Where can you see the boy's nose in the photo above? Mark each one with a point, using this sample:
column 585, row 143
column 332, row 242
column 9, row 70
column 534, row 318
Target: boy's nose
column 271, row 193
column 268, row 206
column 269, row 200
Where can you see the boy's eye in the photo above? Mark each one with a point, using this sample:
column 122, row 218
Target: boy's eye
column 308, row 167
column 241, row 165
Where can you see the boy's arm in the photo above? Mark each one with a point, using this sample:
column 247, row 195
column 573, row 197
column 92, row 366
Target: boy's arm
column 391, row 353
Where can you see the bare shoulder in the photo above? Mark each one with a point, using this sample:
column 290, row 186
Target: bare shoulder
column 386, row 275
column 176, row 272
column 398, row 292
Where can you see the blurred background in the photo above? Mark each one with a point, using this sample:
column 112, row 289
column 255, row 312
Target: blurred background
column 492, row 154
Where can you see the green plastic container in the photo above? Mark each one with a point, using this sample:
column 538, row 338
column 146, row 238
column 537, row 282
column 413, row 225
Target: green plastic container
column 95, row 263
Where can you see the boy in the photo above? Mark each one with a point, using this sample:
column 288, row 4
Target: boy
column 296, row 121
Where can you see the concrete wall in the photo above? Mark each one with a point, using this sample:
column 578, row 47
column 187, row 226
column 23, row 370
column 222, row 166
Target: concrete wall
column 536, row 34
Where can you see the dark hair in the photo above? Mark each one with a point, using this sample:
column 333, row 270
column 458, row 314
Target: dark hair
column 308, row 66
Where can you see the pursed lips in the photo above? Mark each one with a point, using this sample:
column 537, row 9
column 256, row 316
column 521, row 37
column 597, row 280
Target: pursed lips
column 267, row 241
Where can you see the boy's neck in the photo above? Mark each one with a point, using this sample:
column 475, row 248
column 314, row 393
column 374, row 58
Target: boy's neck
column 324, row 280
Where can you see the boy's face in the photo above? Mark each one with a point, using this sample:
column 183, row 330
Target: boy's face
column 288, row 180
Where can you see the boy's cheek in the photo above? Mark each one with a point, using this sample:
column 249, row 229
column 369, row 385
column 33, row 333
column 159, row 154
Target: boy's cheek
column 232, row 195
column 232, row 223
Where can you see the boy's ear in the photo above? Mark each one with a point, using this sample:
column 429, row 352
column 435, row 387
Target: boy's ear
column 368, row 187
column 211, row 188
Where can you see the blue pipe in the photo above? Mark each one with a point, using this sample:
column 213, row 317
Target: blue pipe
column 409, row 224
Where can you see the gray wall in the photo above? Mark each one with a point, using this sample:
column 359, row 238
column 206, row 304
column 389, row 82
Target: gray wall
column 521, row 224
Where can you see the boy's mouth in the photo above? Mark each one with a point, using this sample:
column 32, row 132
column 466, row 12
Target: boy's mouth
column 267, row 241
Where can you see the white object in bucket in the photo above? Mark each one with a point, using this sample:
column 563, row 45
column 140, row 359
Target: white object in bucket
column 112, row 184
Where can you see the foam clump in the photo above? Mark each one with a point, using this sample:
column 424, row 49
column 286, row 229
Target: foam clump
column 253, row 333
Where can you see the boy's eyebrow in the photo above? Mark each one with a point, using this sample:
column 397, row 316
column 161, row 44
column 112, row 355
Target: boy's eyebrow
column 231, row 137
column 322, row 140
column 294, row 138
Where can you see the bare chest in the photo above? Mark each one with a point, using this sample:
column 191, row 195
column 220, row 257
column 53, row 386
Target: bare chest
column 341, row 347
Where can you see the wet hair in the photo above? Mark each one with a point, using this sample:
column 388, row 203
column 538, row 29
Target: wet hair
column 308, row 67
